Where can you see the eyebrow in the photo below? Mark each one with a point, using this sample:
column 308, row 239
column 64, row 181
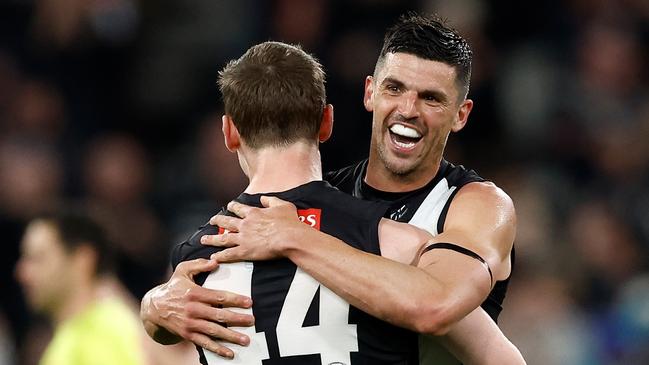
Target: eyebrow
column 390, row 80
column 442, row 97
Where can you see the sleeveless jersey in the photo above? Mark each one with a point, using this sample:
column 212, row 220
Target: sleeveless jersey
column 425, row 208
column 297, row 320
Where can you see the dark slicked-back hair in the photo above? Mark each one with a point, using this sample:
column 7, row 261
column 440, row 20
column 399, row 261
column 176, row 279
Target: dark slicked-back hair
column 429, row 37
column 275, row 94
column 75, row 228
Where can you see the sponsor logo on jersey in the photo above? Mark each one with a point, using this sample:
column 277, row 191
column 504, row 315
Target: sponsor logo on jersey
column 310, row 216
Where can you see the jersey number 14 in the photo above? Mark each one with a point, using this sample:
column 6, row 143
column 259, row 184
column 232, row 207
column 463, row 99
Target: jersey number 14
column 333, row 338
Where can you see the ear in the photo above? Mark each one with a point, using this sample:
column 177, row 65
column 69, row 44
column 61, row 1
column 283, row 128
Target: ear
column 230, row 134
column 462, row 115
column 368, row 97
column 327, row 124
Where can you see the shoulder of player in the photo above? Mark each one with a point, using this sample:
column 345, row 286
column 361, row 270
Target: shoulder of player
column 484, row 194
column 482, row 219
column 195, row 238
column 334, row 198
column 336, row 177
column 482, row 212
column 189, row 248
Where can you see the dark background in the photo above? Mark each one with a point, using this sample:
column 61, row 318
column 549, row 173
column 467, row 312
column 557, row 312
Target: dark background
column 114, row 103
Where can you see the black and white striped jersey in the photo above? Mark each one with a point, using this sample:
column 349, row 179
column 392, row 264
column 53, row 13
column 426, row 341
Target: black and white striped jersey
column 297, row 320
column 425, row 208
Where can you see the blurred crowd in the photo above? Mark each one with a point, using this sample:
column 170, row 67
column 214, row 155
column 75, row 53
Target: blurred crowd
column 113, row 103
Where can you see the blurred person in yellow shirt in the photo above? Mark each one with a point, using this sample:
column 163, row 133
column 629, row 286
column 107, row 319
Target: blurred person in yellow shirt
column 64, row 257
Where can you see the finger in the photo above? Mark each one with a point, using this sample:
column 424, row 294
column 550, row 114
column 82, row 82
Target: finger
column 232, row 254
column 272, row 201
column 207, row 343
column 239, row 209
column 219, row 316
column 219, row 240
column 232, row 318
column 218, row 297
column 226, row 222
column 193, row 267
column 216, row 331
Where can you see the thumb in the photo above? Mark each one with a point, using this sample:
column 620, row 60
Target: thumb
column 196, row 266
column 272, row 201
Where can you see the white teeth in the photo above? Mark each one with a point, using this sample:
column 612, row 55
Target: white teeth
column 404, row 145
column 402, row 130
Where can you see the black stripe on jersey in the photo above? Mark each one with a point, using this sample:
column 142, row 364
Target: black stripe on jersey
column 442, row 216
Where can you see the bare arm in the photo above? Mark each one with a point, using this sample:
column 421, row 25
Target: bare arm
column 445, row 285
column 481, row 219
column 477, row 340
column 398, row 292
column 179, row 309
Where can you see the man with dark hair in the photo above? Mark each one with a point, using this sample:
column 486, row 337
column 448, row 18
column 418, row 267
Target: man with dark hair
column 429, row 38
column 63, row 260
column 417, row 97
column 296, row 318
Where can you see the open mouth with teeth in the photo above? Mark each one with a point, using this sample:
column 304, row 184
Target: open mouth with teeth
column 404, row 137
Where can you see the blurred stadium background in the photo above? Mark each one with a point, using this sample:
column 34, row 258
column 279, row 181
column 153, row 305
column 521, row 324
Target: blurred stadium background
column 114, row 103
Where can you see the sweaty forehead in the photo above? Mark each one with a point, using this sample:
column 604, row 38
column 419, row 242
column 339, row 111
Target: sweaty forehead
column 418, row 73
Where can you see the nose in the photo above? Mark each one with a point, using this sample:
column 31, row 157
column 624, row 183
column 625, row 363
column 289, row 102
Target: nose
column 407, row 107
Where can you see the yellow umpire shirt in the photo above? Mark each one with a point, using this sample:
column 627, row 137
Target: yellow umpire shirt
column 106, row 333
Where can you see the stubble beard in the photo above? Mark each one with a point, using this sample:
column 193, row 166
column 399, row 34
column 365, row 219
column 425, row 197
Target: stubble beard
column 399, row 170
column 396, row 169
column 407, row 170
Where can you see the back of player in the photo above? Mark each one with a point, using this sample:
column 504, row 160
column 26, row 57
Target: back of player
column 298, row 320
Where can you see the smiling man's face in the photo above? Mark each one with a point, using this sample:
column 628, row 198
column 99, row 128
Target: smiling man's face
column 415, row 104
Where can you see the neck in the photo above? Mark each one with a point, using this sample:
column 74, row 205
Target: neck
column 81, row 296
column 273, row 169
column 381, row 178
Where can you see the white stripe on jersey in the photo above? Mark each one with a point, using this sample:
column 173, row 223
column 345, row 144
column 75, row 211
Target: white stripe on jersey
column 426, row 217
column 428, row 213
column 236, row 277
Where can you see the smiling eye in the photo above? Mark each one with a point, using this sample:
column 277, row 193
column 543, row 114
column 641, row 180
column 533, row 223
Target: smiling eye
column 393, row 89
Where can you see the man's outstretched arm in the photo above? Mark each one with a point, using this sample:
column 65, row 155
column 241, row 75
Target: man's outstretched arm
column 179, row 309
